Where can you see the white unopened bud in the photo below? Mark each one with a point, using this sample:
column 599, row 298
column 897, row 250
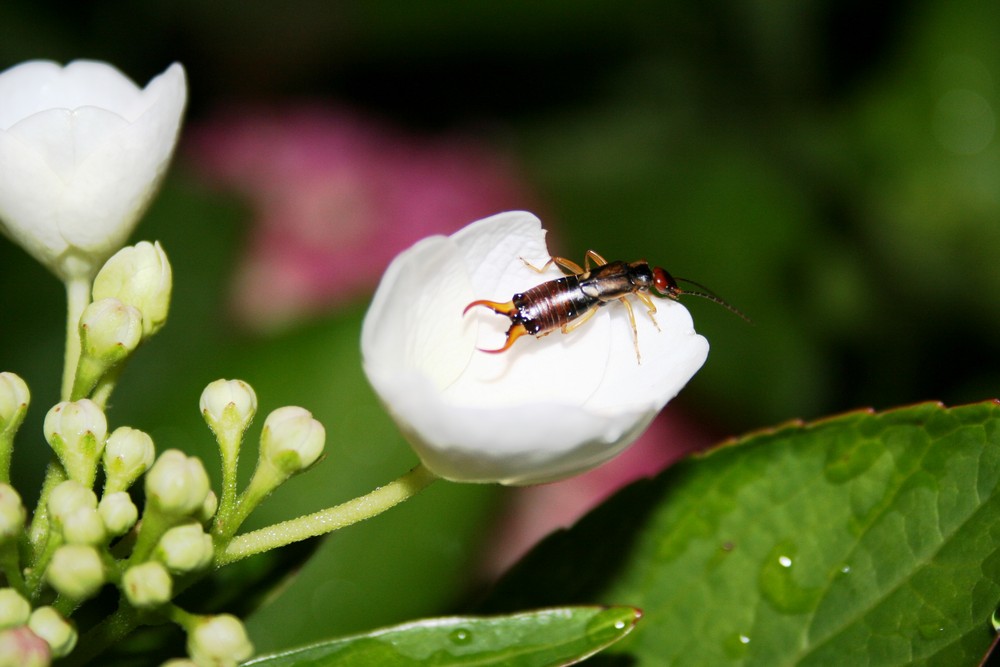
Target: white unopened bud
column 185, row 548
column 140, row 276
column 118, row 512
column 208, row 508
column 12, row 514
column 76, row 571
column 176, row 485
column 291, row 440
column 57, row 632
column 14, row 609
column 68, row 497
column 147, row 585
column 228, row 407
column 128, row 453
column 14, row 399
column 109, row 331
column 218, row 640
column 76, row 431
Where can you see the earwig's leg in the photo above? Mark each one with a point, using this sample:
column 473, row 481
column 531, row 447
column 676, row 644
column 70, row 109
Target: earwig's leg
column 592, row 255
column 515, row 332
column 498, row 308
column 566, row 328
column 635, row 332
column 563, row 263
column 645, row 298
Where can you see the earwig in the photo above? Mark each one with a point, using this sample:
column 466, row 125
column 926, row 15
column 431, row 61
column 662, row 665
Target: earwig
column 568, row 302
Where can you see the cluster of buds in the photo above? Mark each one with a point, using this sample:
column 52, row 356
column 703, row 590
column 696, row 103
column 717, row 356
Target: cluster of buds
column 80, row 536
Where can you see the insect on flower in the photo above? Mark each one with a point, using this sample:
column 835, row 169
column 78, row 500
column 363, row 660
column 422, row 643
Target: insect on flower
column 568, row 302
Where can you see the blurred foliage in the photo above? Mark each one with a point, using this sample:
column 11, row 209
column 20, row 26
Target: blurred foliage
column 830, row 168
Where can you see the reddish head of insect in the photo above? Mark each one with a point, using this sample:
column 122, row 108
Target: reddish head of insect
column 664, row 284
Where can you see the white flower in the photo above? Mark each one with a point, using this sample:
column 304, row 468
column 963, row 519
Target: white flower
column 82, row 150
column 546, row 408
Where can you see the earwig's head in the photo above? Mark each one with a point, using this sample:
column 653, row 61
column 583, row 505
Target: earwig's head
column 664, row 285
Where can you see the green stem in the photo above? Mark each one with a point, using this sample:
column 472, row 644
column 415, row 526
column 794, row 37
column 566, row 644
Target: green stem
column 39, row 532
column 77, row 298
column 328, row 520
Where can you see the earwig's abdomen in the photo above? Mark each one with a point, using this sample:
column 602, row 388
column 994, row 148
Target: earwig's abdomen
column 551, row 305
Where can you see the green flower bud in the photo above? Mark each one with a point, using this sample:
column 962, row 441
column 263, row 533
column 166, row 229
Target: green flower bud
column 14, row 609
column 73, row 508
column 57, row 632
column 128, row 453
column 147, row 585
column 76, row 431
column 118, row 512
column 109, row 331
column 20, row 647
column 68, row 497
column 176, row 485
column 76, row 571
column 208, row 508
column 140, row 276
column 291, row 440
column 14, row 399
column 228, row 407
column 12, row 514
column 180, row 662
column 185, row 548
column 218, row 640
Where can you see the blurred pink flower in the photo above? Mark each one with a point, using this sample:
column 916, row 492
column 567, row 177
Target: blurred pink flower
column 336, row 196
column 532, row 512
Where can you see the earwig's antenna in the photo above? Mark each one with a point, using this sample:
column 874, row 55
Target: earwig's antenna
column 712, row 296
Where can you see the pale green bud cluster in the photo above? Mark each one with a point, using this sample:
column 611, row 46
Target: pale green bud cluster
column 139, row 276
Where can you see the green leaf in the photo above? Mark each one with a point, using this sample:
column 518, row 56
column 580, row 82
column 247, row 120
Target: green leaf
column 866, row 539
column 560, row 636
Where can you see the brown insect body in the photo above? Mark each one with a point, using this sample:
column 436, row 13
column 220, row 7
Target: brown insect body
column 568, row 302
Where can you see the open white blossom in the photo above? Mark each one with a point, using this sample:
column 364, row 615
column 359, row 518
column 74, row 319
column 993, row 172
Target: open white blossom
column 545, row 409
column 82, row 150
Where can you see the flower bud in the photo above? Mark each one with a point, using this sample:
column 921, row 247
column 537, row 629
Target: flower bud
column 208, row 508
column 68, row 497
column 12, row 514
column 14, row 399
column 73, row 508
column 291, row 440
column 185, row 548
column 118, row 512
column 147, row 585
column 76, row 431
column 14, row 609
column 218, row 640
column 228, row 407
column 76, row 571
column 20, row 647
column 110, row 330
column 140, row 276
column 180, row 662
column 57, row 632
column 128, row 453
column 177, row 484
